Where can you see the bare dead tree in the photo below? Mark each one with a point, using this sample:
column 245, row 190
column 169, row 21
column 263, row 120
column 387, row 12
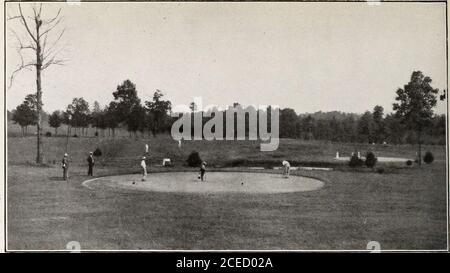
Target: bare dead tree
column 41, row 37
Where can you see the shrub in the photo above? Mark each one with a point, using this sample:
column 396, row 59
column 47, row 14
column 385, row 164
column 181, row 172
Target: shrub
column 428, row 157
column 97, row 152
column 238, row 162
column 75, row 135
column 409, row 163
column 48, row 134
column 194, row 159
column 96, row 134
column 355, row 161
column 380, row 170
column 371, row 160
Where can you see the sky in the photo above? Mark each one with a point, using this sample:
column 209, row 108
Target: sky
column 306, row 56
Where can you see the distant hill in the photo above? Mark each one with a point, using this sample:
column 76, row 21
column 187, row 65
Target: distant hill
column 329, row 115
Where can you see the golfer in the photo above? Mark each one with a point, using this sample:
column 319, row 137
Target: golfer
column 144, row 169
column 286, row 168
column 203, row 171
column 65, row 166
column 91, row 162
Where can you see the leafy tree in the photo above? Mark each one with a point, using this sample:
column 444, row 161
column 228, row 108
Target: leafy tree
column 126, row 98
column 337, row 130
column 194, row 159
column 159, row 112
column 371, row 160
column 322, row 130
column 193, row 107
column 355, row 161
column 428, row 158
column 365, row 127
column 26, row 114
column 127, row 105
column 97, row 152
column 288, row 123
column 438, row 126
column 378, row 124
column 79, row 111
column 136, row 120
column 415, row 105
column 96, row 116
column 349, row 128
column 110, row 117
column 394, row 129
column 308, row 127
column 55, row 120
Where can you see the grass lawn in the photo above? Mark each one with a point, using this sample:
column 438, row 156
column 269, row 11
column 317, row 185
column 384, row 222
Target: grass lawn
column 401, row 208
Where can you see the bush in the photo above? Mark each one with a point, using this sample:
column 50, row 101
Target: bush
column 355, row 161
column 238, row 162
column 380, row 170
column 194, row 159
column 75, row 135
column 409, row 163
column 48, row 134
column 96, row 134
column 371, row 160
column 428, row 157
column 97, row 152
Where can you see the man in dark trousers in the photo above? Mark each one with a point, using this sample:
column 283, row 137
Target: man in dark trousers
column 65, row 166
column 90, row 161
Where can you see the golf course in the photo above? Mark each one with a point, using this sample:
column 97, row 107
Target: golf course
column 243, row 204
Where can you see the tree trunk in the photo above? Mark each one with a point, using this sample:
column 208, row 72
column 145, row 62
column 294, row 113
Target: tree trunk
column 40, row 148
column 419, row 138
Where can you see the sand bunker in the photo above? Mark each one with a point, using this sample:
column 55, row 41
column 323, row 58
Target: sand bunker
column 217, row 182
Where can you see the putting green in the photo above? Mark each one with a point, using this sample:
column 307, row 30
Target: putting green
column 216, row 182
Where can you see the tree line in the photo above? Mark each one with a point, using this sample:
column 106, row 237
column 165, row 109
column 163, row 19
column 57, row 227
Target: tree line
column 412, row 119
column 126, row 110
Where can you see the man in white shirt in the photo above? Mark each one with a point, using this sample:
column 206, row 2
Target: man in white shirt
column 286, row 168
column 144, row 169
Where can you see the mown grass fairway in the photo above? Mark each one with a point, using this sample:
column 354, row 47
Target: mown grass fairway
column 403, row 208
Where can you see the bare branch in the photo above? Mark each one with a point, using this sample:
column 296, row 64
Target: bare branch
column 52, row 27
column 26, row 25
column 34, row 10
column 54, row 55
column 14, row 17
column 53, row 61
column 40, row 10
column 21, row 67
column 46, row 53
column 44, row 44
column 21, row 45
column 53, row 19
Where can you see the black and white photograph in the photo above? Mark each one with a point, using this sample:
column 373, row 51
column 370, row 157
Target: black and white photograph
column 225, row 126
